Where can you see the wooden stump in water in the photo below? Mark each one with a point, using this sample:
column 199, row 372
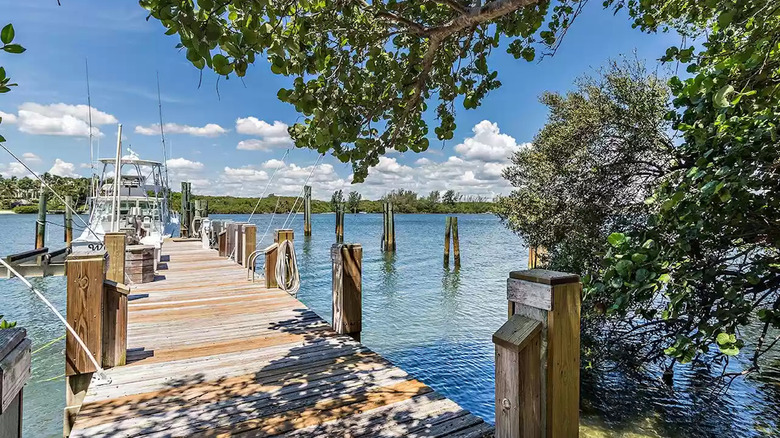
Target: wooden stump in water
column 347, row 289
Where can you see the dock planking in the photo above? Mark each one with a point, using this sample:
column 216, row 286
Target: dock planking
column 211, row 354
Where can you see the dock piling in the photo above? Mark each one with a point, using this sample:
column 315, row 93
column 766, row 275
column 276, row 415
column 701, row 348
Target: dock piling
column 340, row 224
column 455, row 241
column 447, row 228
column 347, row 289
column 307, row 210
column 68, row 220
column 388, row 235
column 250, row 242
column 553, row 300
column 40, row 224
column 85, row 277
column 115, row 303
column 184, row 212
column 15, row 371
column 271, row 254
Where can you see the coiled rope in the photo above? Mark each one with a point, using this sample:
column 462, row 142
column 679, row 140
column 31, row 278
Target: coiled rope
column 287, row 276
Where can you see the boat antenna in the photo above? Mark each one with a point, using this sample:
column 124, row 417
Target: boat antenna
column 89, row 117
column 162, row 133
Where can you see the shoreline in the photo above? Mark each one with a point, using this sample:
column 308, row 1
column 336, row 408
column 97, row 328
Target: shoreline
column 7, row 212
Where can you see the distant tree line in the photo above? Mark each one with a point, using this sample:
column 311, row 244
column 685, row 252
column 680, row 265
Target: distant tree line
column 21, row 194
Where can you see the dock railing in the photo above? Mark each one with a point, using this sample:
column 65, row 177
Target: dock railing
column 15, row 371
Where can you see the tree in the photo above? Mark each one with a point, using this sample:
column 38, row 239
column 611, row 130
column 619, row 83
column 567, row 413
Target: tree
column 336, row 200
column 604, row 149
column 7, row 35
column 353, row 202
column 451, row 197
column 434, row 197
column 363, row 72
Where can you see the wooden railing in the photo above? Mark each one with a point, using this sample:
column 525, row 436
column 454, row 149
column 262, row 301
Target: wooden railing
column 15, row 360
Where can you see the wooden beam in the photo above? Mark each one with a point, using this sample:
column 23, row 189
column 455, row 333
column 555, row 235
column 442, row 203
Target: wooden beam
column 455, row 242
column 40, row 224
column 271, row 254
column 250, row 242
column 447, row 228
column 68, row 219
column 115, row 303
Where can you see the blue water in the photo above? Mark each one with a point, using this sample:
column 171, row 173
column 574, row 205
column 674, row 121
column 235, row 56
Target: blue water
column 432, row 321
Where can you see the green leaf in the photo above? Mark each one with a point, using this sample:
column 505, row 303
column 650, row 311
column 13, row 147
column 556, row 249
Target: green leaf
column 624, row 268
column 721, row 97
column 638, row 258
column 616, row 239
column 7, row 34
column 723, row 338
column 730, row 350
column 14, row 48
column 2, row 139
column 664, row 278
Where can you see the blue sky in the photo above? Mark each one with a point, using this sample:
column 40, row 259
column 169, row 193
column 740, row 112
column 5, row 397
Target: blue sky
column 125, row 52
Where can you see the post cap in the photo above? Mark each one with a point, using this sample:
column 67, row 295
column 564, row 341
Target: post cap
column 544, row 276
column 515, row 334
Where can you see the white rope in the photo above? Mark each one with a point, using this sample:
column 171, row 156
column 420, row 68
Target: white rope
column 281, row 163
column 100, row 371
column 317, row 163
column 284, row 266
column 269, row 223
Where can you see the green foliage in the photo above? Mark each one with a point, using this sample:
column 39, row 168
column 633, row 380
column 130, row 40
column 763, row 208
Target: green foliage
column 336, row 200
column 362, row 73
column 15, row 190
column 353, row 202
column 6, row 324
column 706, row 263
column 603, row 150
column 450, row 197
column 6, row 37
column 25, row 209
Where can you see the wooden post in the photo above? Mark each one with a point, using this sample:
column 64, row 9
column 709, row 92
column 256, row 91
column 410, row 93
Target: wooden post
column 447, row 228
column 191, row 213
column 85, row 276
column 205, row 208
column 68, row 220
column 518, row 382
column 185, row 210
column 15, row 371
column 250, row 241
column 340, row 224
column 455, row 241
column 553, row 299
column 347, row 289
column 307, row 210
column 388, row 236
column 222, row 243
column 281, row 235
column 115, row 303
column 270, row 265
column 40, row 224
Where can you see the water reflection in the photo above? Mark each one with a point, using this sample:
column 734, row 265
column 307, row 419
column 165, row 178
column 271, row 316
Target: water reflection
column 450, row 282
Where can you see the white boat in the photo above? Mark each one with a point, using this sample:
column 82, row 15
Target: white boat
column 142, row 200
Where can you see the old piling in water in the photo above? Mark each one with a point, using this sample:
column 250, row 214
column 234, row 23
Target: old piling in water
column 40, row 224
column 546, row 303
column 455, row 241
column 388, row 235
column 15, row 371
column 340, row 223
column 347, row 289
column 447, row 228
column 68, row 219
column 307, row 210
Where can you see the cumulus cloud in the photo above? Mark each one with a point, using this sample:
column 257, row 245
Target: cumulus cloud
column 272, row 135
column 13, row 169
column 63, row 168
column 209, row 130
column 183, row 163
column 288, row 180
column 487, row 144
column 60, row 119
column 7, row 117
column 475, row 169
column 31, row 158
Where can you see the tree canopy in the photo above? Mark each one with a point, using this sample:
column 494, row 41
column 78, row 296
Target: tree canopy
column 364, row 73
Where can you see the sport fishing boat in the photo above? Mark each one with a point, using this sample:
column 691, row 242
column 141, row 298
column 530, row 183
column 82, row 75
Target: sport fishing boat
column 136, row 203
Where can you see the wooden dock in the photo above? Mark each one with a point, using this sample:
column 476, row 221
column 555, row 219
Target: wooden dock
column 212, row 354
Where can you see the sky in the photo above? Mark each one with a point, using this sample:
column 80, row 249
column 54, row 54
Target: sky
column 229, row 137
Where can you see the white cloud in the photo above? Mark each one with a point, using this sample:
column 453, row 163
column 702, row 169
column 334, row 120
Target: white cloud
column 272, row 135
column 288, row 180
column 8, row 118
column 62, row 168
column 487, row 144
column 183, row 163
column 476, row 169
column 61, row 119
column 209, row 130
column 13, row 169
column 31, row 158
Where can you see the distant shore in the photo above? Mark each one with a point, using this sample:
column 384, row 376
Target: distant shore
column 7, row 212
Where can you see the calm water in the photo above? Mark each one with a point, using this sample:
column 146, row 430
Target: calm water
column 434, row 322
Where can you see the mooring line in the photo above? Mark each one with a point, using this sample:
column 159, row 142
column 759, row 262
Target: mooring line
column 281, row 163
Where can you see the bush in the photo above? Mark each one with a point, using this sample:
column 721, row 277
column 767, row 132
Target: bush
column 26, row 209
